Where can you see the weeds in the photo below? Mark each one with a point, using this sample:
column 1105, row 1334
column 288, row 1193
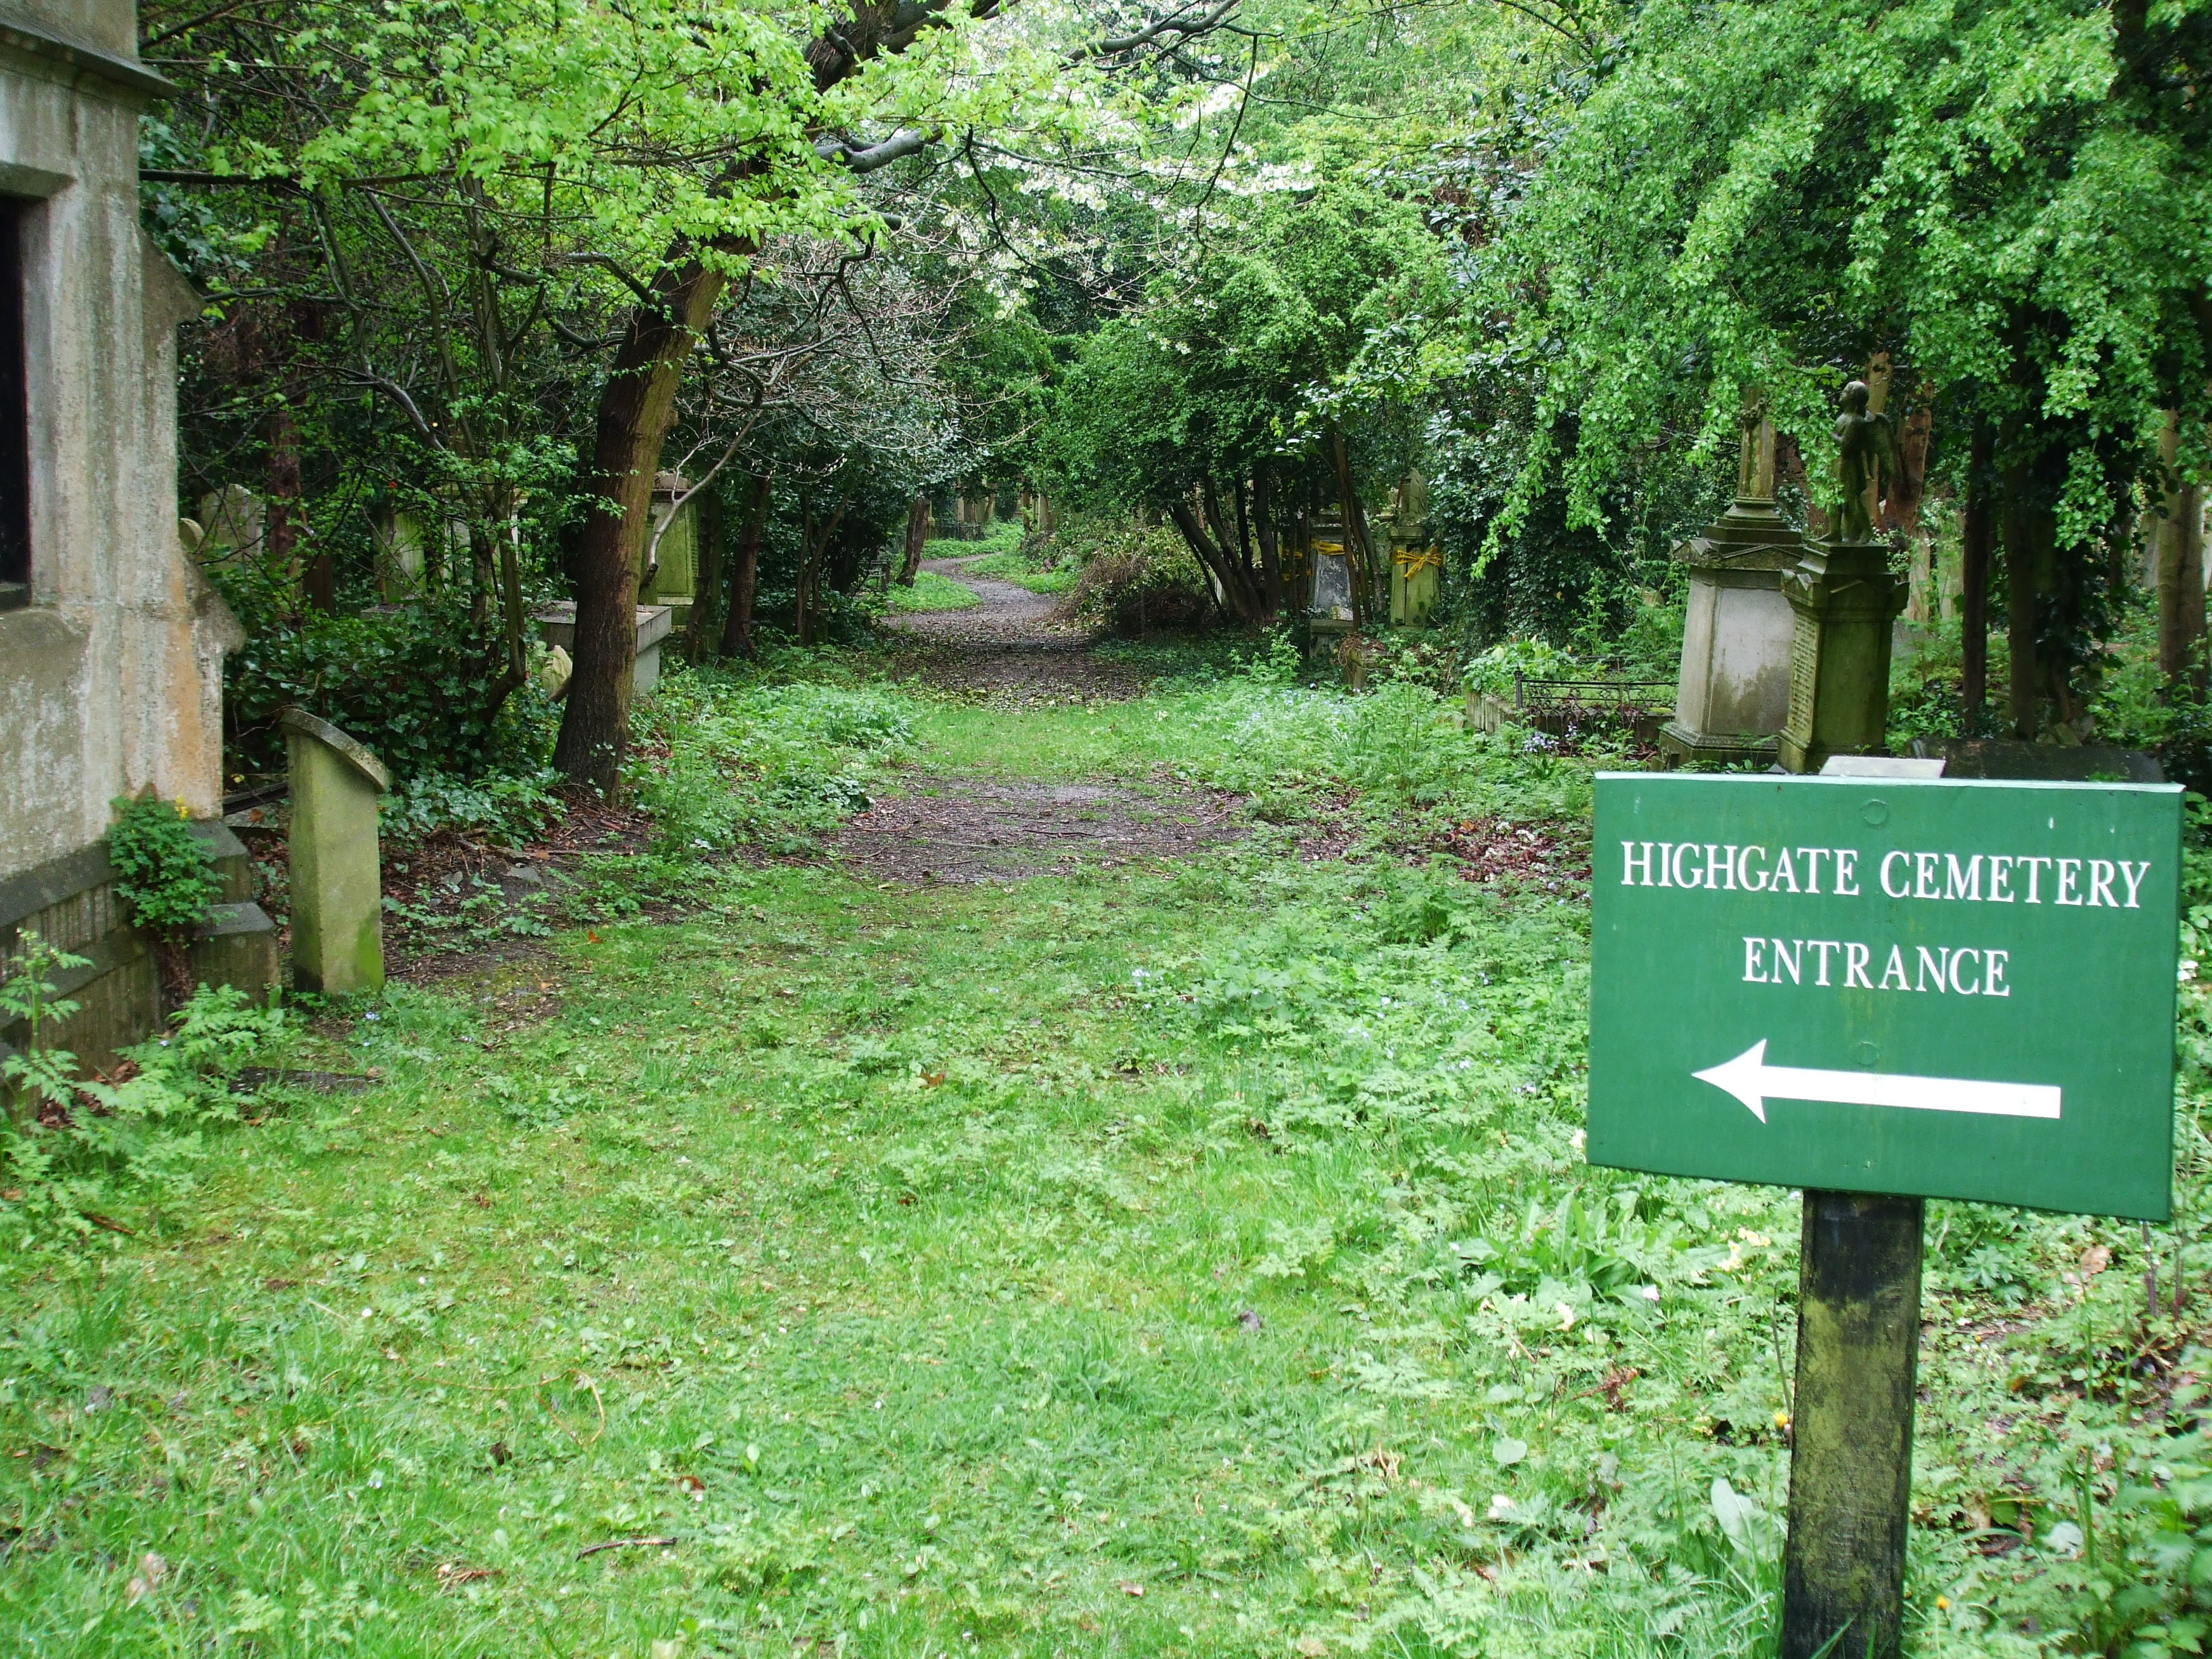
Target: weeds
column 1055, row 1266
column 74, row 1149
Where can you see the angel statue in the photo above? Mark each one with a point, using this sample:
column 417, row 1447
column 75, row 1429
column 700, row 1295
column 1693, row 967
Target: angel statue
column 1866, row 464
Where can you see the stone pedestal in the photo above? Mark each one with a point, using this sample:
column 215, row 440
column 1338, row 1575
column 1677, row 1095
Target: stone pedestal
column 337, row 893
column 1735, row 689
column 237, row 943
column 557, row 625
column 1415, row 575
column 1843, row 601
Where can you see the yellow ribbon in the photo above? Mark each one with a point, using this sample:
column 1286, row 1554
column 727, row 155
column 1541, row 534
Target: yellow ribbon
column 1330, row 549
column 1411, row 561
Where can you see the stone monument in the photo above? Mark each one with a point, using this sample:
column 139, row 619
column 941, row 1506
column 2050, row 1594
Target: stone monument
column 1329, row 607
column 397, row 536
column 556, row 626
column 337, row 891
column 1844, row 602
column 112, row 638
column 1417, row 563
column 672, row 567
column 1735, row 689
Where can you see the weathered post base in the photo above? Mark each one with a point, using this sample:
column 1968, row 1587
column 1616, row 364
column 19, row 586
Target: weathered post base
column 1851, row 1471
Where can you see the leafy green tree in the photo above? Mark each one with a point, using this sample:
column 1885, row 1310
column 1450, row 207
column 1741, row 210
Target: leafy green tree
column 2007, row 197
column 1221, row 401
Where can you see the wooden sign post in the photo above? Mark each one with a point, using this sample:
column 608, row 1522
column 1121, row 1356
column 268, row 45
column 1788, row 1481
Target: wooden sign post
column 1879, row 989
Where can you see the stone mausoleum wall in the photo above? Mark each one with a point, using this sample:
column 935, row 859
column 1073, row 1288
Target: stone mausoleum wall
column 111, row 676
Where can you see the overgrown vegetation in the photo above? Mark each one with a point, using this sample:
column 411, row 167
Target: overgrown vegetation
column 163, row 875
column 1034, row 1266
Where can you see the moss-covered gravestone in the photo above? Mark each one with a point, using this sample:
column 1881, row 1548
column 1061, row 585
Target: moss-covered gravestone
column 337, row 894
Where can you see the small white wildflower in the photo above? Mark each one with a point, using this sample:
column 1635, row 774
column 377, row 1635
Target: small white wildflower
column 1650, row 1292
column 376, row 1479
column 1500, row 1506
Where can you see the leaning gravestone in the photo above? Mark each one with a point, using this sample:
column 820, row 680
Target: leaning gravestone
column 337, row 895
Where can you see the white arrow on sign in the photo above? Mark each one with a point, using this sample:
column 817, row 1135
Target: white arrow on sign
column 1754, row 1082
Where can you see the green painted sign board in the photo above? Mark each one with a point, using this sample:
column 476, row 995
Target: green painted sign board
column 1935, row 988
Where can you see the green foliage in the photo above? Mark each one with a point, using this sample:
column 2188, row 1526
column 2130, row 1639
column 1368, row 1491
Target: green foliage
column 39, row 1076
column 932, row 591
column 1023, row 571
column 922, row 1206
column 410, row 684
column 164, row 875
column 1134, row 579
column 77, row 1148
column 772, row 765
column 510, row 808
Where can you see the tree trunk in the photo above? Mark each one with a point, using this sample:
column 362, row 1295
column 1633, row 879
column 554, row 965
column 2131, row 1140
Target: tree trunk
column 917, row 538
column 745, row 575
column 1976, row 530
column 814, row 555
column 2020, row 598
column 1235, row 597
column 1254, row 574
column 1356, row 543
column 279, row 536
column 1263, row 525
column 2178, row 566
column 707, row 584
column 636, row 407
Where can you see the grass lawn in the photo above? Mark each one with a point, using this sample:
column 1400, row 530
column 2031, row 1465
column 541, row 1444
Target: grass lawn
column 1015, row 568
column 932, row 591
column 1134, row 1261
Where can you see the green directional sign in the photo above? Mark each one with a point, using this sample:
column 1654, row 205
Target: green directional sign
column 1954, row 989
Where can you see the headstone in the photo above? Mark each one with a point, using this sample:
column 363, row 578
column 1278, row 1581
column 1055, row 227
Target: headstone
column 557, row 625
column 396, row 535
column 1416, row 563
column 1733, row 694
column 233, row 520
column 1329, row 607
column 674, row 581
column 337, row 895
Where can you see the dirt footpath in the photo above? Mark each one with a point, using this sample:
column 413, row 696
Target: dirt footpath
column 1012, row 650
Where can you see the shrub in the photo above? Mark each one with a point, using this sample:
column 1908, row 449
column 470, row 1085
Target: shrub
column 163, row 874
column 409, row 682
column 1140, row 580
column 506, row 807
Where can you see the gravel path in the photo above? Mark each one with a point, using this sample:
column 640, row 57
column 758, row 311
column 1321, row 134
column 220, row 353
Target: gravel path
column 1014, row 649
